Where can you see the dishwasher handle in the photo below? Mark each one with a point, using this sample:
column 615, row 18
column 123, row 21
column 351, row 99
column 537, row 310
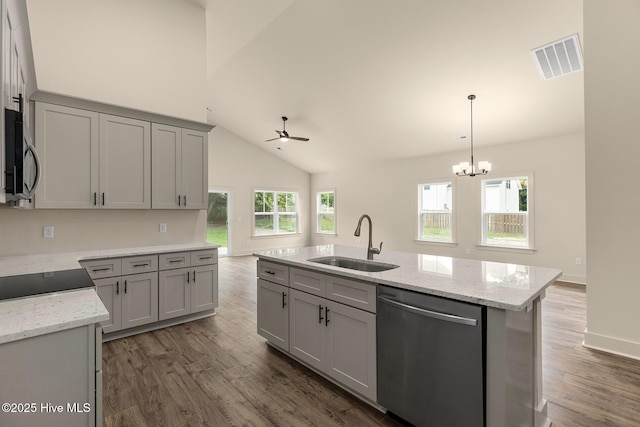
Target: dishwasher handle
column 433, row 314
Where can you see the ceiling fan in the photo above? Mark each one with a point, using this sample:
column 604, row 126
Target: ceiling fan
column 283, row 135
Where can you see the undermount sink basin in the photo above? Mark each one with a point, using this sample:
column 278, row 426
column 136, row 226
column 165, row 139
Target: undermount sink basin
column 354, row 263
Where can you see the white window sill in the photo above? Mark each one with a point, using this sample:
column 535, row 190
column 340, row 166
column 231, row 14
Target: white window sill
column 512, row 249
column 326, row 234
column 269, row 236
column 436, row 243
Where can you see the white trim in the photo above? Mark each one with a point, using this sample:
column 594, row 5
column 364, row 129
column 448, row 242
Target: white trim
column 613, row 345
column 436, row 243
column 514, row 249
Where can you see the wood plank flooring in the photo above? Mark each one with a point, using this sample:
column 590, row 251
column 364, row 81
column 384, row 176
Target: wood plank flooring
column 218, row 372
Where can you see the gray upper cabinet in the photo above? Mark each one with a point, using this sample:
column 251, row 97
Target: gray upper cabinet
column 67, row 142
column 125, row 163
column 179, row 164
column 91, row 160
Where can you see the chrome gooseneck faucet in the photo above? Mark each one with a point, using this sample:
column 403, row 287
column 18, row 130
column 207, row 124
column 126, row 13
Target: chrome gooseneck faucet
column 370, row 249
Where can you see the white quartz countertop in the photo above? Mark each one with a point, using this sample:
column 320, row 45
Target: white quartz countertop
column 493, row 284
column 46, row 313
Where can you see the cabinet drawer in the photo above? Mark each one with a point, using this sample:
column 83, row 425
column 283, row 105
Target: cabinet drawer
column 308, row 281
column 175, row 260
column 209, row 256
column 351, row 292
column 139, row 264
column 273, row 272
column 101, row 268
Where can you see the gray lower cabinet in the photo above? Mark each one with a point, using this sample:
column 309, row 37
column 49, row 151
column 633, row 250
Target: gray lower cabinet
column 335, row 339
column 131, row 300
column 128, row 287
column 192, row 288
column 53, row 380
column 299, row 312
column 273, row 313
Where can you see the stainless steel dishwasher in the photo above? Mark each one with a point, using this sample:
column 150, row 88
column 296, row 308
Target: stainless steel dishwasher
column 431, row 358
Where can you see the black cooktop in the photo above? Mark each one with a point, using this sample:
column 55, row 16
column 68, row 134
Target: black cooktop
column 26, row 285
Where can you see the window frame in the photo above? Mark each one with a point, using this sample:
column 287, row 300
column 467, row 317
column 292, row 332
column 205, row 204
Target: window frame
column 530, row 213
column 419, row 211
column 319, row 194
column 276, row 214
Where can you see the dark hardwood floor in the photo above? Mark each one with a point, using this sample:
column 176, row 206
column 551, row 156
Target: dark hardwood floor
column 218, row 372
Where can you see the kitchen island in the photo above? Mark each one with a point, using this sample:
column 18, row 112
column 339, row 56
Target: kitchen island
column 509, row 294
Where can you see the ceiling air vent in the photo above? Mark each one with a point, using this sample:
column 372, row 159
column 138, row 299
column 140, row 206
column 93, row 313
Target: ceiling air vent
column 559, row 58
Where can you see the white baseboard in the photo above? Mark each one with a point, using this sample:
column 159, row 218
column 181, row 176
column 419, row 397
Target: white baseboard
column 613, row 345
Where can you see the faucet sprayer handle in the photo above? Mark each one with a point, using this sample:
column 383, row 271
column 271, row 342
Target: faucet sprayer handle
column 376, row 250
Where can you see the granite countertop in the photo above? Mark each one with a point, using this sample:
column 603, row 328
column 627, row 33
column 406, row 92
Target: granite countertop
column 46, row 313
column 493, row 284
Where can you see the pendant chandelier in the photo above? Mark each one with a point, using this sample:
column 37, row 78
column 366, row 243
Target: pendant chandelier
column 470, row 169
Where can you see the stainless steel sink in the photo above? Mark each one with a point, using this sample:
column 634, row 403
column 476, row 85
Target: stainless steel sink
column 354, row 263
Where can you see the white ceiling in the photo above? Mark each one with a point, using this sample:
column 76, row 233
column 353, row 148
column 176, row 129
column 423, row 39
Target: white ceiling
column 369, row 81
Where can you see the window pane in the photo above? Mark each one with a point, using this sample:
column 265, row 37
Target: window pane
column 264, row 224
column 504, row 229
column 326, row 223
column 436, row 226
column 287, row 223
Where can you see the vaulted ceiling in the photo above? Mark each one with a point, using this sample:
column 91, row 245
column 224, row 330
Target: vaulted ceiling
column 369, row 81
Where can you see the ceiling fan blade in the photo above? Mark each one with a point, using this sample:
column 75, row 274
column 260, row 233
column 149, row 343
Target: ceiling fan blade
column 272, row 139
column 297, row 138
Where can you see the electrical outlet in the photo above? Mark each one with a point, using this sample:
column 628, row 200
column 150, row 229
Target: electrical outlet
column 47, row 232
column 163, row 227
column 468, row 251
column 357, row 240
column 578, row 261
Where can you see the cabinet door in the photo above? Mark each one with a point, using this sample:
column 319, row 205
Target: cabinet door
column 351, row 348
column 166, row 156
column 109, row 290
column 204, row 288
column 139, row 299
column 273, row 313
column 125, row 163
column 67, row 144
column 174, row 293
column 194, row 169
column 307, row 330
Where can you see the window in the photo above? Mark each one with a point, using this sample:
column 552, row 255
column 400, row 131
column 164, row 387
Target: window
column 435, row 212
column 505, row 212
column 276, row 212
column 326, row 212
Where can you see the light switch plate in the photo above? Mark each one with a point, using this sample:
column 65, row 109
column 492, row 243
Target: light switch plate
column 163, row 227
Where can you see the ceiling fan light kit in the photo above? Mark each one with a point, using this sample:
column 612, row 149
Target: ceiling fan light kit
column 284, row 136
column 470, row 169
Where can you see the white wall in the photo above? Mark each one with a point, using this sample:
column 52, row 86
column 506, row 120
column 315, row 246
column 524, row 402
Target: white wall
column 388, row 193
column 612, row 91
column 144, row 54
column 238, row 166
column 76, row 230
